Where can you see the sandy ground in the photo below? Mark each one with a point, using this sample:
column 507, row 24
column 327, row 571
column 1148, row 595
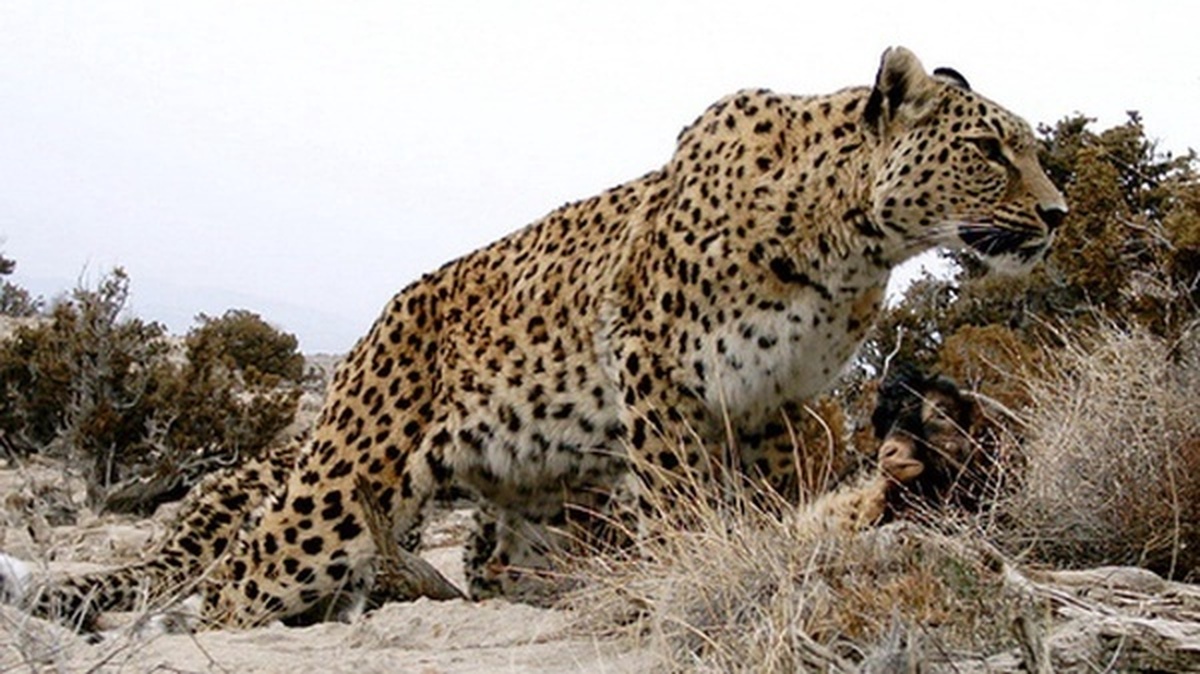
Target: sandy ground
column 423, row 636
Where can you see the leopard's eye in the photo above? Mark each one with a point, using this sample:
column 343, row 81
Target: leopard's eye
column 991, row 148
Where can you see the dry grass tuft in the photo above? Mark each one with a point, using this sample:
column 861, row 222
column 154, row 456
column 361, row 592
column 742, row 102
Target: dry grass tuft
column 1113, row 455
column 32, row 645
column 721, row 584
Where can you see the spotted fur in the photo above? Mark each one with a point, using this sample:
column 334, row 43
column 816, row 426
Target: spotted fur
column 667, row 324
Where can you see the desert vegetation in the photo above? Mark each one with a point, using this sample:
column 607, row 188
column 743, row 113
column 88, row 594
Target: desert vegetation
column 141, row 416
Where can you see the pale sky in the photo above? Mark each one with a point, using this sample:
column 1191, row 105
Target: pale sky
column 307, row 159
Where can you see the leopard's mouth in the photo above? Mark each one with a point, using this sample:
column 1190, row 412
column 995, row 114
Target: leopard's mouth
column 1005, row 247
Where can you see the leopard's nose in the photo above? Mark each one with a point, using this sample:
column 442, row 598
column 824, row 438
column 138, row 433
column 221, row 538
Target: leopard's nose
column 1053, row 216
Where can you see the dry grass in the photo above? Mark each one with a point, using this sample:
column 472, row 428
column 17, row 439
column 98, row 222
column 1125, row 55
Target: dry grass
column 1113, row 456
column 721, row 584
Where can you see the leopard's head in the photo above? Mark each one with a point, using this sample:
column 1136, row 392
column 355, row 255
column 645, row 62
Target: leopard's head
column 955, row 169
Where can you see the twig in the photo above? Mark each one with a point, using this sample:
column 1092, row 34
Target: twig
column 400, row 575
column 887, row 360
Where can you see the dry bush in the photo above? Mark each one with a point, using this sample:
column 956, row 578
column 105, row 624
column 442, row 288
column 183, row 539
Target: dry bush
column 248, row 344
column 105, row 391
column 1113, row 455
column 719, row 583
column 992, row 359
column 16, row 301
column 806, row 451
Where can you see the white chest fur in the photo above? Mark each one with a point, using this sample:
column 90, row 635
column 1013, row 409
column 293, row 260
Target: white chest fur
column 763, row 359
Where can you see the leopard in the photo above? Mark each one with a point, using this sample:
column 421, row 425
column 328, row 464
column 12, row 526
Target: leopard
column 646, row 336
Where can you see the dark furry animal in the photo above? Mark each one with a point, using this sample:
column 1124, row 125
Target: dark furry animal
column 924, row 426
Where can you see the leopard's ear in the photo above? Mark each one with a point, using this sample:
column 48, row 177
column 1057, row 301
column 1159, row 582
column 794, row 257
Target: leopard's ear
column 903, row 92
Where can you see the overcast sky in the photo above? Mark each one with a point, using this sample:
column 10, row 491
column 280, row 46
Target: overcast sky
column 308, row 159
